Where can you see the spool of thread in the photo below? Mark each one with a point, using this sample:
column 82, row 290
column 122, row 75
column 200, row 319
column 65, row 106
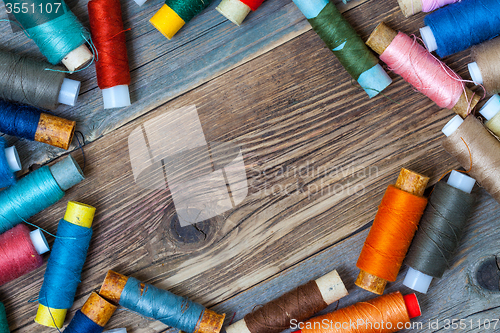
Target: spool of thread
column 237, row 10
column 175, row 13
column 33, row 124
column 9, row 164
column 20, row 252
column 484, row 151
column 485, row 68
column 37, row 191
column 422, row 70
column 27, row 81
column 388, row 314
column 108, row 35
column 299, row 304
column 4, row 325
column 162, row 305
column 491, row 112
column 457, row 27
column 440, row 231
column 56, row 31
column 65, row 264
column 117, row 330
column 392, row 231
column 345, row 44
column 412, row 7
column 93, row 316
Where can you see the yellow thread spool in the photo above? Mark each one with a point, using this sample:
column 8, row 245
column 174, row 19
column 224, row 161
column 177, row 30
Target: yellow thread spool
column 167, row 21
column 82, row 215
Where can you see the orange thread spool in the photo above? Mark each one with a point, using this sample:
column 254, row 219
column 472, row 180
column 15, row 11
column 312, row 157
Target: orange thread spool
column 392, row 232
column 385, row 314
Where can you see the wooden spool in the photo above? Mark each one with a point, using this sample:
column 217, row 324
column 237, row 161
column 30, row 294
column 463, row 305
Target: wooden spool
column 383, row 36
column 412, row 183
column 97, row 309
column 55, row 131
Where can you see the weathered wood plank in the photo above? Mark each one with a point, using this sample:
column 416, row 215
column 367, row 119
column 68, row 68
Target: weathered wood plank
column 290, row 109
column 161, row 70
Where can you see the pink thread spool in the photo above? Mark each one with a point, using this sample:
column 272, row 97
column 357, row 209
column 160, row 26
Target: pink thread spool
column 406, row 57
column 411, row 7
column 20, row 252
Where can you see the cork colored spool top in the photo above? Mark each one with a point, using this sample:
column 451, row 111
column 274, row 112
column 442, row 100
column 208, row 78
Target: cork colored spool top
column 381, row 38
column 113, row 286
column 97, row 309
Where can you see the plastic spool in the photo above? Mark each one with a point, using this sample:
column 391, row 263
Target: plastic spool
column 234, row 10
column 39, row 241
column 475, row 73
column 167, row 21
column 140, row 3
column 428, row 38
column 452, row 125
column 67, row 173
column 116, row 97
column 13, row 159
column 419, row 281
column 78, row 58
column 70, row 90
column 491, row 108
column 117, row 330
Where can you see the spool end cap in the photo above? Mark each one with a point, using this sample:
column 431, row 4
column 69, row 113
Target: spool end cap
column 116, row 97
column 417, row 281
column 140, row 2
column 77, row 58
column 491, row 108
column 234, row 10
column 374, row 80
column 475, row 73
column 80, row 214
column 412, row 305
column 13, row 159
column 69, row 92
column 428, row 38
column 67, row 173
column 167, row 21
column 461, row 181
column 117, row 330
column 452, row 125
column 39, row 241
column 50, row 317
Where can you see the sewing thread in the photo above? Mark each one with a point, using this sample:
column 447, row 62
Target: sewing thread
column 486, row 57
column 7, row 177
column 4, row 325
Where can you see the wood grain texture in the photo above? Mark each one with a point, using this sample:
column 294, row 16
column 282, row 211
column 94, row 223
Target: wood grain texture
column 319, row 155
column 160, row 69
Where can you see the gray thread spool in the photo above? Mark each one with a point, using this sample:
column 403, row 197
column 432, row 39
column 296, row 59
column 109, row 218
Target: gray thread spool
column 440, row 231
column 25, row 80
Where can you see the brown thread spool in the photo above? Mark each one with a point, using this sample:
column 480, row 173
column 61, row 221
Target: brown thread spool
column 485, row 68
column 115, row 283
column 383, row 36
column 299, row 304
column 55, row 131
column 412, row 183
column 470, row 134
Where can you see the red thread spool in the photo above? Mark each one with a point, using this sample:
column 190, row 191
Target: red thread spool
column 253, row 4
column 20, row 252
column 112, row 68
column 237, row 10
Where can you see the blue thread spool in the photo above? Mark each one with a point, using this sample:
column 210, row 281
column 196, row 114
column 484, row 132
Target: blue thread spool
column 37, row 191
column 162, row 305
column 65, row 264
column 56, row 31
column 9, row 164
column 372, row 80
column 458, row 26
column 93, row 316
column 30, row 123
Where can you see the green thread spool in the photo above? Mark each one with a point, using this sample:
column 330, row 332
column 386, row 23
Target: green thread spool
column 4, row 325
column 55, row 30
column 346, row 45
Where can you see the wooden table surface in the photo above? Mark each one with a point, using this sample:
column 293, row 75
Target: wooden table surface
column 271, row 88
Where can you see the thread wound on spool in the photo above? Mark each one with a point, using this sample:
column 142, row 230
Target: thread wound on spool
column 64, row 268
column 162, row 305
column 31, row 123
column 18, row 256
column 300, row 304
column 478, row 23
column 440, row 230
column 486, row 57
column 389, row 309
column 484, row 151
column 56, row 33
column 25, row 80
column 29, row 196
column 346, row 45
column 108, row 35
column 4, row 325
